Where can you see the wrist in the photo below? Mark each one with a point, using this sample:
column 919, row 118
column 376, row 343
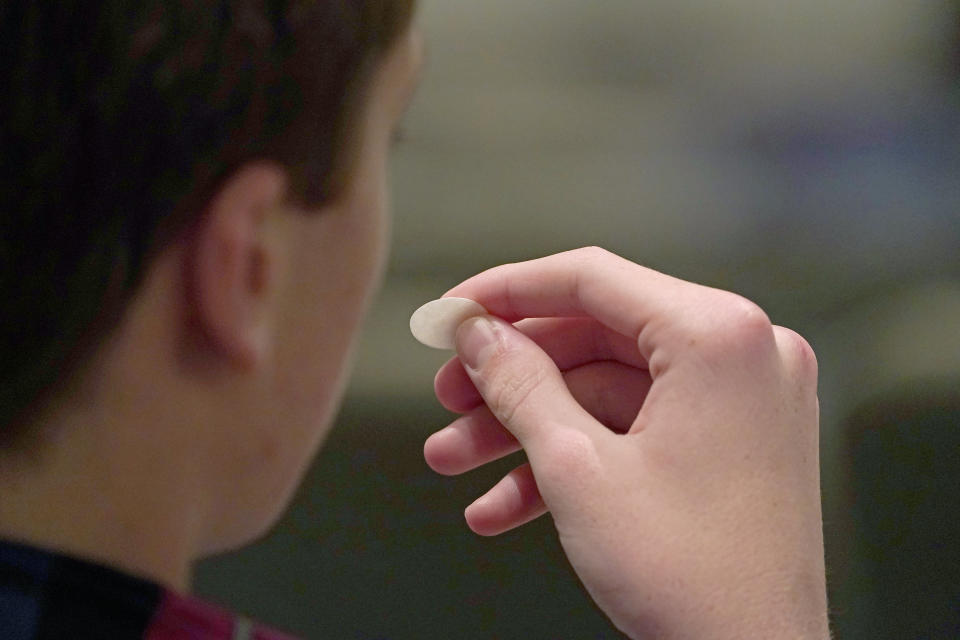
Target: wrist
column 788, row 613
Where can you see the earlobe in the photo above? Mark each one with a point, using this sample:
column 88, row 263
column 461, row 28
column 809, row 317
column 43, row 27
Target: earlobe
column 231, row 263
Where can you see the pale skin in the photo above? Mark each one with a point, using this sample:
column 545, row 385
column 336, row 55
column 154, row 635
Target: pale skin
column 187, row 435
column 671, row 431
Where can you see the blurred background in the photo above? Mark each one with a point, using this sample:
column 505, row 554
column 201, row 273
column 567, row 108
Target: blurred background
column 804, row 154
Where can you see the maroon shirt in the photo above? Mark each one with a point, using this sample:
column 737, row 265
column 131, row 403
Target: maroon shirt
column 50, row 596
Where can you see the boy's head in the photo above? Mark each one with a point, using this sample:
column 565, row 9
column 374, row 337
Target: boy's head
column 193, row 217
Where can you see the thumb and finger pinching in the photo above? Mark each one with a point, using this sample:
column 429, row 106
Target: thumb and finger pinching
column 524, row 391
column 521, row 385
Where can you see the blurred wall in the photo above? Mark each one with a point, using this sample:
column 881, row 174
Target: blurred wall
column 805, row 154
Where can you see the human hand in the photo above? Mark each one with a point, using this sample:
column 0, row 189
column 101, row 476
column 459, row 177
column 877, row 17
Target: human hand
column 671, row 431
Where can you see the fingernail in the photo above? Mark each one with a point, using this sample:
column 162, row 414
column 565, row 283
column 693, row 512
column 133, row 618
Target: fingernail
column 476, row 339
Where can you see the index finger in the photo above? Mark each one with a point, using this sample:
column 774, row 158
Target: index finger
column 584, row 282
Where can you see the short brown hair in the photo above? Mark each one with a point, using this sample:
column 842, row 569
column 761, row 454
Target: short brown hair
column 119, row 120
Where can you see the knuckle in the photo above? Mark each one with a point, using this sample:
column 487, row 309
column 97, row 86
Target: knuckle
column 737, row 324
column 748, row 318
column 797, row 354
column 594, row 251
column 592, row 254
column 511, row 384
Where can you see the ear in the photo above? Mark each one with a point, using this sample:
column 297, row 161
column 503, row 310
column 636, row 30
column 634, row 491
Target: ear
column 232, row 263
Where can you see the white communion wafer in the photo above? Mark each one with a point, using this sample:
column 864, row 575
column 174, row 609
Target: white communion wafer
column 435, row 323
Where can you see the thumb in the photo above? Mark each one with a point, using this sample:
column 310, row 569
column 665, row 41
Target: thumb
column 519, row 382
